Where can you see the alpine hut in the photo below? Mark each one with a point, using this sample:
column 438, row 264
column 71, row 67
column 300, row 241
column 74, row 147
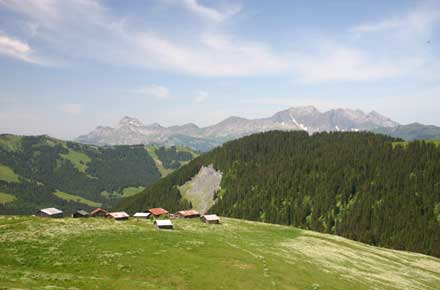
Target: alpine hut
column 188, row 214
column 50, row 212
column 142, row 215
column 210, row 219
column 80, row 214
column 99, row 212
column 163, row 224
column 119, row 216
column 157, row 212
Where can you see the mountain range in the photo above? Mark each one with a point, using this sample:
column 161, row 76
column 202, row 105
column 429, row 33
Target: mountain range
column 131, row 131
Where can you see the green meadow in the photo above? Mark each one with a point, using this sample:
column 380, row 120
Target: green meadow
column 38, row 253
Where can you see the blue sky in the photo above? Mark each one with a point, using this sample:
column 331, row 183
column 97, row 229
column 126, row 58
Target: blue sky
column 67, row 66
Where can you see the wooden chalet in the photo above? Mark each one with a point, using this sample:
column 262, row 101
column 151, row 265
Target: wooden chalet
column 157, row 212
column 119, row 216
column 187, row 214
column 210, row 219
column 163, row 224
column 99, row 212
column 142, row 215
column 80, row 214
column 50, row 212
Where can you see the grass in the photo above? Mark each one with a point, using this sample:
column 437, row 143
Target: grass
column 72, row 197
column 129, row 191
column 78, row 159
column 38, row 253
column 7, row 174
column 6, row 197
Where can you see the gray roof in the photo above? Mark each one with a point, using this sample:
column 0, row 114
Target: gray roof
column 51, row 211
column 211, row 217
column 161, row 223
column 82, row 212
column 142, row 214
column 120, row 214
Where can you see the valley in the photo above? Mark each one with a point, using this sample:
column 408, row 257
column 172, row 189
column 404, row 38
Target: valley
column 40, row 171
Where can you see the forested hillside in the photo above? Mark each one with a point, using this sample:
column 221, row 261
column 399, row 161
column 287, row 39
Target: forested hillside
column 357, row 185
column 41, row 171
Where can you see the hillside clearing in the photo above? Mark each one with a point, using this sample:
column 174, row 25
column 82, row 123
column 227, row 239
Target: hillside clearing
column 6, row 197
column 129, row 191
column 78, row 159
column 7, row 174
column 100, row 253
column 163, row 171
column 72, row 197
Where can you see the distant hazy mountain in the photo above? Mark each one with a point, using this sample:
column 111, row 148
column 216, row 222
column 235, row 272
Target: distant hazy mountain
column 414, row 131
column 131, row 131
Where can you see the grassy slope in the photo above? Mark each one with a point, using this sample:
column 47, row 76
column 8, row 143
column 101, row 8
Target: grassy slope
column 72, row 197
column 7, row 174
column 78, row 159
column 129, row 191
column 105, row 254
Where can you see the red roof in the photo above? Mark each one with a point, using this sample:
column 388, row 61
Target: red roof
column 157, row 211
column 96, row 210
column 190, row 212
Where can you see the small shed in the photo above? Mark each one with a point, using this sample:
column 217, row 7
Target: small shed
column 188, row 214
column 50, row 212
column 80, row 214
column 119, row 216
column 142, row 215
column 157, row 212
column 163, row 224
column 210, row 219
column 99, row 212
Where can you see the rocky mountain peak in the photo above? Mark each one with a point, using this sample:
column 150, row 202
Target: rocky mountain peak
column 130, row 121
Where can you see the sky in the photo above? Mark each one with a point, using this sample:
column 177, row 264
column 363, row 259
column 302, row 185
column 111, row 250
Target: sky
column 67, row 66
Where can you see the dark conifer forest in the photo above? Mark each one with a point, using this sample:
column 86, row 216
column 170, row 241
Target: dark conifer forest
column 361, row 186
column 39, row 171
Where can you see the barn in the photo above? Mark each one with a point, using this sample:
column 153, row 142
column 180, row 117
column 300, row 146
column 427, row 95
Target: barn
column 50, row 212
column 157, row 212
column 99, row 212
column 80, row 214
column 210, row 219
column 119, row 216
column 142, row 215
column 163, row 224
column 188, row 214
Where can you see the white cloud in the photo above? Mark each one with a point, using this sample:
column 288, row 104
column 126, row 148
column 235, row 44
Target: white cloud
column 71, row 109
column 195, row 7
column 17, row 49
column 201, row 97
column 154, row 91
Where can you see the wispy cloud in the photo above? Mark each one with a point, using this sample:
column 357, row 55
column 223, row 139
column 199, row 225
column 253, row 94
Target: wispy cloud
column 153, row 91
column 416, row 23
column 339, row 63
column 85, row 29
column 217, row 15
